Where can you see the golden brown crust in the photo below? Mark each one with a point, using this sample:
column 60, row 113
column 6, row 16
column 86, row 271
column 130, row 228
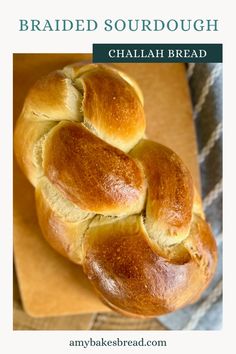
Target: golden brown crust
column 134, row 279
column 112, row 107
column 133, row 219
column 201, row 244
column 53, row 97
column 75, row 70
column 112, row 183
column 170, row 192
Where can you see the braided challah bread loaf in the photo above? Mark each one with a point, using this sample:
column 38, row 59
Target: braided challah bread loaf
column 122, row 206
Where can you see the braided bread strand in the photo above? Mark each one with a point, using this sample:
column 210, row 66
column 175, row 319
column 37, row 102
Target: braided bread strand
column 122, row 206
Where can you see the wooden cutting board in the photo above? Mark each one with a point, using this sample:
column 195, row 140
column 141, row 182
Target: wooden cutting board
column 50, row 285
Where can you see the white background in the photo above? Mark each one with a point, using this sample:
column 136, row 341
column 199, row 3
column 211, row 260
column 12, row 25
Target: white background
column 35, row 42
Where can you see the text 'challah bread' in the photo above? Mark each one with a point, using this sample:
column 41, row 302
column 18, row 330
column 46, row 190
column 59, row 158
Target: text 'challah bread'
column 122, row 206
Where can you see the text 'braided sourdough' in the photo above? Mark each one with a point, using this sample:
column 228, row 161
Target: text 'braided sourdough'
column 123, row 207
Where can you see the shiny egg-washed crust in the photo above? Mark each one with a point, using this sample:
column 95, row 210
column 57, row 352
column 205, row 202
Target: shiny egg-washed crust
column 123, row 207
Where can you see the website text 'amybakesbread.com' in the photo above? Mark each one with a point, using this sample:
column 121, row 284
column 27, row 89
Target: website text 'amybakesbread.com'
column 117, row 342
